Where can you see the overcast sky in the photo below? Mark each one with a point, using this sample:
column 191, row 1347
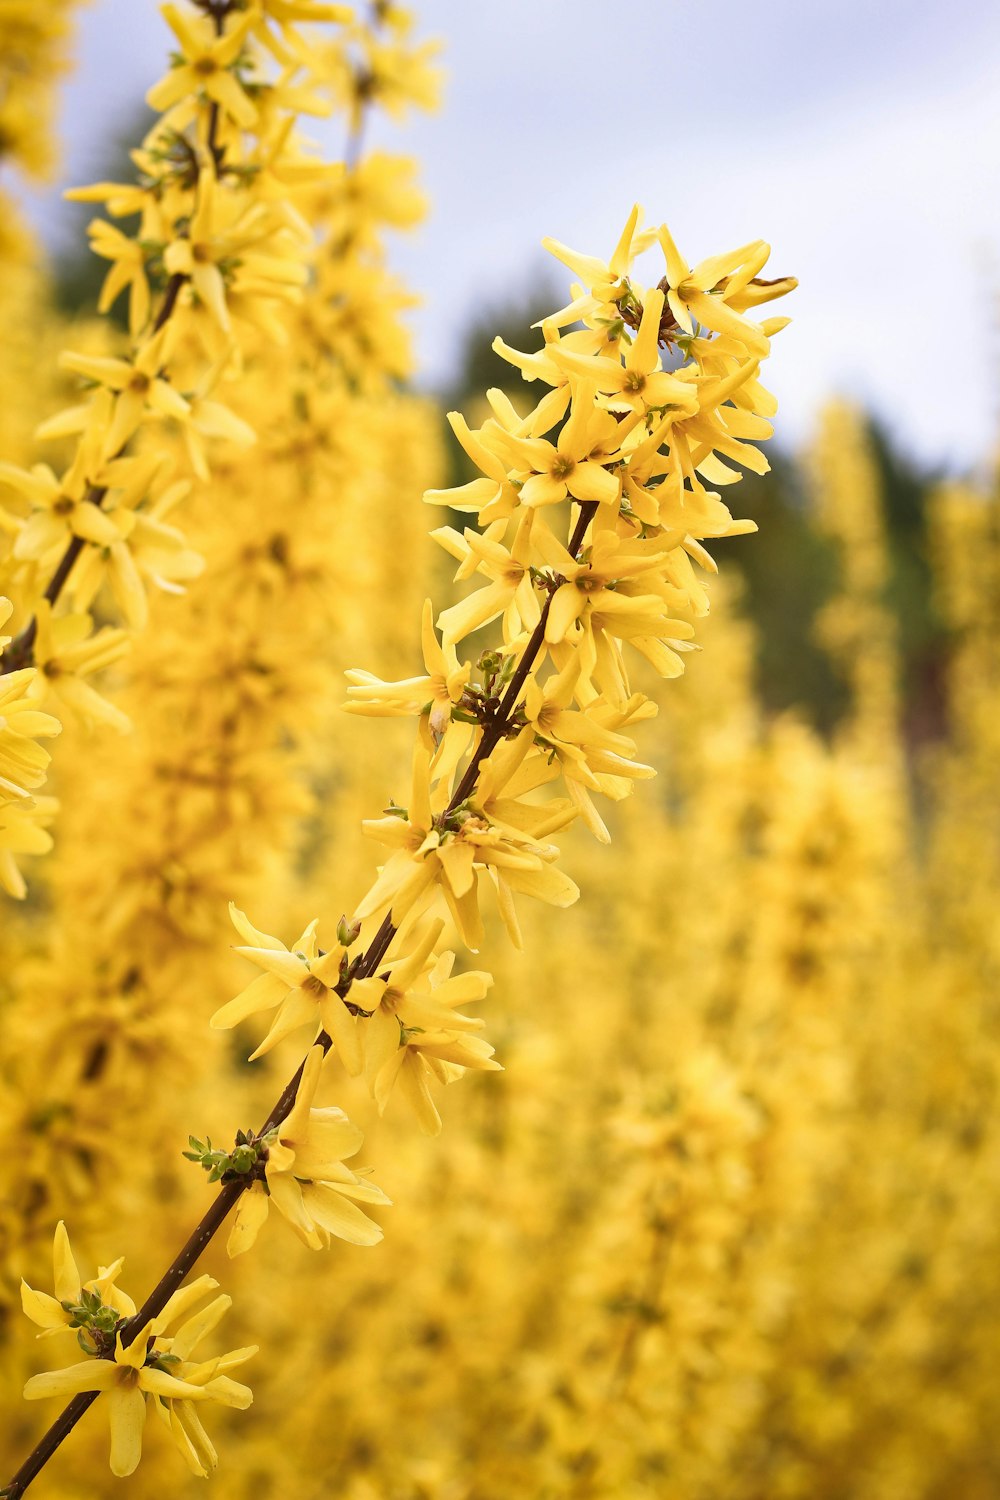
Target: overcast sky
column 860, row 137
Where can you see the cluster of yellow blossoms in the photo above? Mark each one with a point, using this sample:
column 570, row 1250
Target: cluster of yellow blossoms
column 219, row 249
column 629, row 450
column 149, row 1362
column 551, row 700
column 33, row 56
column 226, row 193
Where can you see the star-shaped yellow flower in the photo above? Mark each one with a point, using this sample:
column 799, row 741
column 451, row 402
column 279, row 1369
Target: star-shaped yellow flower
column 300, row 982
column 207, row 65
column 306, row 1178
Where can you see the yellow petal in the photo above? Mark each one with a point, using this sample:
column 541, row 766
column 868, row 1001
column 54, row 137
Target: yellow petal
column 251, row 1213
column 65, row 1274
column 127, row 1416
column 91, row 1375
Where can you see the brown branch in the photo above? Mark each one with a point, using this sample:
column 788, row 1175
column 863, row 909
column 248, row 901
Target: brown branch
column 491, row 737
column 501, row 722
column 40, row 1455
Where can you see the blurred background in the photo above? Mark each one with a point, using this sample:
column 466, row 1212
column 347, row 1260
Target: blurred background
column 862, row 136
column 727, row 1227
column 865, row 135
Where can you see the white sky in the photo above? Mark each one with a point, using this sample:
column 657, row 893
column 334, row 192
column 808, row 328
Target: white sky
column 861, row 137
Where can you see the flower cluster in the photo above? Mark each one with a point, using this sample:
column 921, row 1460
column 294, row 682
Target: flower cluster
column 305, row 1177
column 133, row 1367
column 593, row 508
column 219, row 254
column 322, row 405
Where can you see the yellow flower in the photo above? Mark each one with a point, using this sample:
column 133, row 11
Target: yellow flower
column 606, row 281
column 51, row 1313
column 636, row 382
column 22, row 832
column 709, row 290
column 66, row 651
column 437, row 692
column 207, row 65
column 592, row 756
column 415, row 1031
column 180, row 1414
column 22, row 762
column 208, row 418
column 219, row 245
column 139, row 383
column 493, row 497
column 510, row 592
column 566, row 467
column 128, row 270
column 591, row 586
column 495, row 832
column 301, row 983
column 140, row 495
column 306, row 1178
column 126, row 1380
column 61, row 508
column 151, row 1364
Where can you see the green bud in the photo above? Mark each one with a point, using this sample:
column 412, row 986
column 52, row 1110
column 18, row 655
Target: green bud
column 347, row 932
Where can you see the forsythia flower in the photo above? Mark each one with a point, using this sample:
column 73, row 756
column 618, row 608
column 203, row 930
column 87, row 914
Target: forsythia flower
column 61, row 508
column 437, row 851
column 301, row 983
column 150, row 1364
column 415, row 1032
column 66, row 651
column 140, row 386
column 63, row 1311
column 206, row 66
column 306, row 1179
column 22, row 762
column 437, row 693
column 23, row 831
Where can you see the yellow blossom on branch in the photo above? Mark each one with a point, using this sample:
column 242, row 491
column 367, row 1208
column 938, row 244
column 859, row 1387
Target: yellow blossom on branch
column 305, row 1177
column 127, row 1371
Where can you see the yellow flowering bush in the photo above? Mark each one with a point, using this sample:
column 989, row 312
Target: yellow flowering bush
column 720, row 1227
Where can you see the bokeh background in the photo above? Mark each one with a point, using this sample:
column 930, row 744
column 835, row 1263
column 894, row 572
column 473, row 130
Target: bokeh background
column 865, row 135
column 727, row 1225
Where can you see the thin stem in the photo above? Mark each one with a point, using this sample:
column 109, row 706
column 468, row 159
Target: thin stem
column 491, row 737
column 201, row 1237
column 500, row 723
column 40, row 1455
column 174, row 285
